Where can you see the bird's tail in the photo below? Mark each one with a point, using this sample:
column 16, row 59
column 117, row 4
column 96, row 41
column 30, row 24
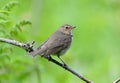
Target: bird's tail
column 36, row 52
column 39, row 51
column 33, row 53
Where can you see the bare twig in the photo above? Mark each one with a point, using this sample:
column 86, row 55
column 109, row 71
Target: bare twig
column 26, row 46
column 70, row 70
column 29, row 48
column 116, row 81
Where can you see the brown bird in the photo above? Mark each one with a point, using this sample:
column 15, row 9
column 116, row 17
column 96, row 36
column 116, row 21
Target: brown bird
column 57, row 44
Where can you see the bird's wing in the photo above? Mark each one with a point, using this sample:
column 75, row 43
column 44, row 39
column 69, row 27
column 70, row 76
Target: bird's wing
column 57, row 45
column 58, row 39
column 52, row 43
column 38, row 50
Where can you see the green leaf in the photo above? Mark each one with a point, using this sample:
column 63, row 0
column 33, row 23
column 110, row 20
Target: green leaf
column 22, row 23
column 17, row 25
column 25, row 22
column 10, row 6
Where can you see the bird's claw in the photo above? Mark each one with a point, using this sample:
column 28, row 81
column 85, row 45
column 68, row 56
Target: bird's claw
column 47, row 57
column 64, row 64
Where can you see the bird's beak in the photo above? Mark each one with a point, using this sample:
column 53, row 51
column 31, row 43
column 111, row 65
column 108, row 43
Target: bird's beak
column 74, row 27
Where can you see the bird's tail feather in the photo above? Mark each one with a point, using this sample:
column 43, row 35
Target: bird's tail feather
column 36, row 52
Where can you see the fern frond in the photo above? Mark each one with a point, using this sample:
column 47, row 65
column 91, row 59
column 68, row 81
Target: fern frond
column 10, row 6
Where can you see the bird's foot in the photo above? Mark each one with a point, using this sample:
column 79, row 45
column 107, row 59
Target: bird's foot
column 64, row 64
column 47, row 57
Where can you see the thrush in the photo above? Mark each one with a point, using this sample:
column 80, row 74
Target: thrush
column 57, row 44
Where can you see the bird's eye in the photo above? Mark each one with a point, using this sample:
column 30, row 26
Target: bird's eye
column 67, row 27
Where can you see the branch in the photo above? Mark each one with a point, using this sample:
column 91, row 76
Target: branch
column 29, row 48
column 70, row 70
column 26, row 46
column 116, row 81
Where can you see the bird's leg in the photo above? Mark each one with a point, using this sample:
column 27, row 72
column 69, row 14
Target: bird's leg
column 47, row 56
column 64, row 64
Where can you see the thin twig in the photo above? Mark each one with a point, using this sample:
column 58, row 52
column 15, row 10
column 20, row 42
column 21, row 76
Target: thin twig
column 70, row 70
column 29, row 48
column 116, row 81
column 26, row 46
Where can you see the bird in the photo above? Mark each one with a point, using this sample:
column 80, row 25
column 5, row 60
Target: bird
column 57, row 44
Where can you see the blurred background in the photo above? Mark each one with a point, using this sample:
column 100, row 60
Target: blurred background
column 95, row 51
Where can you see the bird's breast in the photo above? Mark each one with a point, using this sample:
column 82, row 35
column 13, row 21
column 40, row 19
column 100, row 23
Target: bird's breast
column 67, row 44
column 63, row 51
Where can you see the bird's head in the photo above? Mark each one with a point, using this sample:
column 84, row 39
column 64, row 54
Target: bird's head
column 67, row 29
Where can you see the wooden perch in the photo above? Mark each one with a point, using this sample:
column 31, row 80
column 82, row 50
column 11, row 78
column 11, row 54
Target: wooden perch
column 117, row 81
column 29, row 48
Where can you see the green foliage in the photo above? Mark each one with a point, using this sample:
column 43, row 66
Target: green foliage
column 8, row 26
column 10, row 6
column 95, row 49
column 11, row 29
column 5, row 11
column 18, row 27
column 5, row 24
